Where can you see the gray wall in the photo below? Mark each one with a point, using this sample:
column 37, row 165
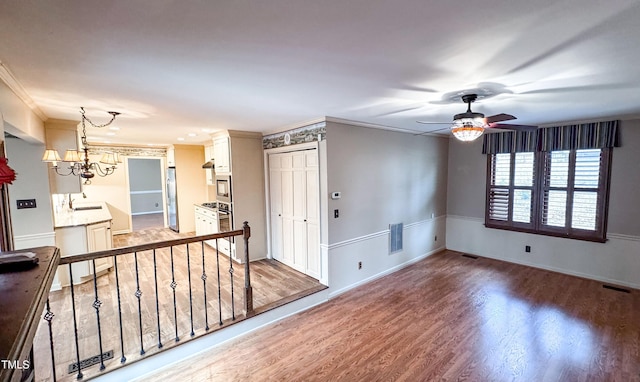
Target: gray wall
column 31, row 182
column 467, row 181
column 145, row 175
column 624, row 198
column 384, row 177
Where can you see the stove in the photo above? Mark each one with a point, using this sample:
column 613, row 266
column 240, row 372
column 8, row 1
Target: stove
column 210, row 204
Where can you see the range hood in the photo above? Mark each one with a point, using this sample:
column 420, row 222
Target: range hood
column 209, row 164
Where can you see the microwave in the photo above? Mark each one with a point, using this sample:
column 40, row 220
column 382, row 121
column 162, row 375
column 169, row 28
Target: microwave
column 223, row 188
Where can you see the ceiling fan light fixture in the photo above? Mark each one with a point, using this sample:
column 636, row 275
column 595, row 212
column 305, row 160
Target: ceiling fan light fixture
column 467, row 133
column 468, row 127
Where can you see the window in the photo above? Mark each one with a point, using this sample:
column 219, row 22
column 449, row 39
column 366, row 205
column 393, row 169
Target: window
column 560, row 193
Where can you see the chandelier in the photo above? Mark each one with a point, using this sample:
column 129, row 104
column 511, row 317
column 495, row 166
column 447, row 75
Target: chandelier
column 79, row 164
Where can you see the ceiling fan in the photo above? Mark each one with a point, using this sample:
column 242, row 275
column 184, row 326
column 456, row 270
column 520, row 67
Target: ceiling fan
column 470, row 125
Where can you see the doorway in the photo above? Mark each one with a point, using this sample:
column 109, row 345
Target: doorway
column 294, row 209
column 146, row 193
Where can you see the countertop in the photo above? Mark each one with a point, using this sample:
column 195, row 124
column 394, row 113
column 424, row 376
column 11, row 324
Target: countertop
column 24, row 294
column 208, row 205
column 69, row 218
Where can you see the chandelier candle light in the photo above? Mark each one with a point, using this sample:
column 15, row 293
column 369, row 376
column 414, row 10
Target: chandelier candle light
column 79, row 160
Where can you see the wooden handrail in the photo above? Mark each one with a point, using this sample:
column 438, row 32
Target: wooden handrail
column 146, row 247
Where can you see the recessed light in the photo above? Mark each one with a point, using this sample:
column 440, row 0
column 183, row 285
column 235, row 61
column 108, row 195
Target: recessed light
column 206, row 130
column 192, row 134
column 114, row 128
column 111, row 134
column 181, row 139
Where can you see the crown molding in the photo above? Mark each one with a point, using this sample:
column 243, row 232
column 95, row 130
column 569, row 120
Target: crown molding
column 12, row 82
column 383, row 127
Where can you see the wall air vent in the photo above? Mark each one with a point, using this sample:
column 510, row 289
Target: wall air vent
column 395, row 238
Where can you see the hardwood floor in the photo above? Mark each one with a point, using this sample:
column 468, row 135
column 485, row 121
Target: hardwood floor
column 271, row 283
column 446, row 318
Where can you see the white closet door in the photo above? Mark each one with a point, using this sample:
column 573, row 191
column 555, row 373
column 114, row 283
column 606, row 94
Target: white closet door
column 312, row 210
column 299, row 212
column 287, row 210
column 294, row 210
column 275, row 212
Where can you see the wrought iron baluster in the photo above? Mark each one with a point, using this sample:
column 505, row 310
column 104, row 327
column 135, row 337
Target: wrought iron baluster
column 155, row 278
column 138, row 294
column 233, row 306
column 115, row 264
column 204, row 288
column 75, row 324
column 96, row 305
column 190, row 292
column 48, row 316
column 173, row 286
column 219, row 295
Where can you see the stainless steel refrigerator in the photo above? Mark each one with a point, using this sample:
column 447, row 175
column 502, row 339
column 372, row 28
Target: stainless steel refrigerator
column 172, row 200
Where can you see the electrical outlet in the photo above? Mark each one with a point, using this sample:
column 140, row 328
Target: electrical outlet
column 359, row 264
column 336, row 214
column 527, row 248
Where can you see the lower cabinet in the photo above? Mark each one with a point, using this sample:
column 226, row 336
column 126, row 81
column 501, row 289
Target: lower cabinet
column 206, row 223
column 84, row 239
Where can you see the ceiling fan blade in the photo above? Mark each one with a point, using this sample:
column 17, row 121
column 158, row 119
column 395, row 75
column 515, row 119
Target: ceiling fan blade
column 499, row 118
column 434, row 123
column 400, row 111
column 435, row 131
column 506, row 126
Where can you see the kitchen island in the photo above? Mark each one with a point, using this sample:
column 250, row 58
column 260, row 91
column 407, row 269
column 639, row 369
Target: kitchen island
column 85, row 228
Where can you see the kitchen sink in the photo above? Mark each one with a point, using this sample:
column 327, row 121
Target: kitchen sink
column 84, row 208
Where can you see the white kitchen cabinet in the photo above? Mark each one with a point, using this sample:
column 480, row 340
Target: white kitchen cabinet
column 208, row 156
column 206, row 223
column 83, row 239
column 171, row 157
column 221, row 155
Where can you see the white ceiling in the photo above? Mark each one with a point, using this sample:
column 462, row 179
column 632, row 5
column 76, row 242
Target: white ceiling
column 178, row 67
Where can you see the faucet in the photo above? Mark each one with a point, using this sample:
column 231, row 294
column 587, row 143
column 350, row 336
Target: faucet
column 70, row 202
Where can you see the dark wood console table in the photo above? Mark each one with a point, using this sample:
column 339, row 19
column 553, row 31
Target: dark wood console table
column 22, row 298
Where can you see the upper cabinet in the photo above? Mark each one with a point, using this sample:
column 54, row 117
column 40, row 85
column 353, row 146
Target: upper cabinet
column 221, row 155
column 62, row 136
column 208, row 156
column 171, row 157
column 240, row 155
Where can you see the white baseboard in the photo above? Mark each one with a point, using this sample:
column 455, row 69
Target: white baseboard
column 35, row 240
column 384, row 273
column 146, row 213
column 614, row 262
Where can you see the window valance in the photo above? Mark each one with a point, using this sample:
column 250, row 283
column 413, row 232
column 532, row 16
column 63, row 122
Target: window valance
column 596, row 135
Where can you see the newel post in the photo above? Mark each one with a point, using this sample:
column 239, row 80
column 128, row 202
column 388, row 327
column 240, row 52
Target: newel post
column 248, row 290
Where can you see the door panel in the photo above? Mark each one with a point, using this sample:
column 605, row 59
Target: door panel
column 275, row 195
